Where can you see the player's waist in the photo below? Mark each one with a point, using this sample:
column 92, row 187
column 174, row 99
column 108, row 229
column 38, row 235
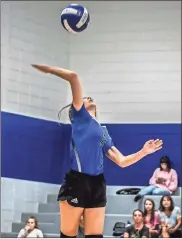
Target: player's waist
column 87, row 173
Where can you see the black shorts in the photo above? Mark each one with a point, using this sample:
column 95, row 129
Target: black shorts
column 83, row 190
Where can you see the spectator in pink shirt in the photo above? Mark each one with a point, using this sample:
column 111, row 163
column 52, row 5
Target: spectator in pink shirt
column 151, row 218
column 163, row 182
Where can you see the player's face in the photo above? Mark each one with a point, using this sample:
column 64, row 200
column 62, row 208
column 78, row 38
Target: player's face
column 89, row 102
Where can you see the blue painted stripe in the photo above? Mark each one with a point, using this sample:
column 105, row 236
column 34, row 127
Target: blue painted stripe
column 38, row 150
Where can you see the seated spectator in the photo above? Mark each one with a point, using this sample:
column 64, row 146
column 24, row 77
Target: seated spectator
column 163, row 182
column 170, row 217
column 137, row 229
column 31, row 229
column 81, row 228
column 151, row 218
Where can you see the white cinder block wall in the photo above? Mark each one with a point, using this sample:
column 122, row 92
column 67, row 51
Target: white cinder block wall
column 31, row 33
column 130, row 60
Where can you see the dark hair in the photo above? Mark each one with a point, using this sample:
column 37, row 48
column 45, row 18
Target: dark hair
column 166, row 160
column 70, row 110
column 162, row 208
column 35, row 220
column 138, row 210
column 59, row 113
column 153, row 210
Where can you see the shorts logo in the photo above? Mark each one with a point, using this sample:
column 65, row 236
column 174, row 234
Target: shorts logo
column 74, row 200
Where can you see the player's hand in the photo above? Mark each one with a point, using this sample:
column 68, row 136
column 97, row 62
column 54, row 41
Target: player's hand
column 43, row 68
column 152, row 146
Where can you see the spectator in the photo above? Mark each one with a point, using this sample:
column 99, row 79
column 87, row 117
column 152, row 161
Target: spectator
column 170, row 217
column 163, row 182
column 151, row 218
column 137, row 229
column 31, row 229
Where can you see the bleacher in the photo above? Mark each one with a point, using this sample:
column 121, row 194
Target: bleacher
column 119, row 208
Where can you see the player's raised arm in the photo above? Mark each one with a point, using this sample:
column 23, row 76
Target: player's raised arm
column 69, row 76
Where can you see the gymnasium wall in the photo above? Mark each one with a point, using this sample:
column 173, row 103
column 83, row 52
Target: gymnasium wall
column 129, row 60
column 31, row 33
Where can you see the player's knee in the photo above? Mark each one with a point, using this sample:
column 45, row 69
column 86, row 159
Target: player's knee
column 94, row 236
column 62, row 235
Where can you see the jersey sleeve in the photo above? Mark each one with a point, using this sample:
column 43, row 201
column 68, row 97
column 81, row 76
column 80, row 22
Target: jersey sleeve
column 79, row 115
column 106, row 142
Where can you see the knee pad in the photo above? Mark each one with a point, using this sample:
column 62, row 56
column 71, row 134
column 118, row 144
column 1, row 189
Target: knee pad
column 62, row 235
column 94, row 236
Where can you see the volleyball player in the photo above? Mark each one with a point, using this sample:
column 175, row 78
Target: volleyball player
column 84, row 188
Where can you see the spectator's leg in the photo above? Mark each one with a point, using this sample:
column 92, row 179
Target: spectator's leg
column 144, row 191
column 160, row 191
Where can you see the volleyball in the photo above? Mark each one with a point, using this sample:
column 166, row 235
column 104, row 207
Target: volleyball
column 75, row 18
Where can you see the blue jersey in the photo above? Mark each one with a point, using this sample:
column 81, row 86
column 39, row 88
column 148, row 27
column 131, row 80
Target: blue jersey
column 90, row 141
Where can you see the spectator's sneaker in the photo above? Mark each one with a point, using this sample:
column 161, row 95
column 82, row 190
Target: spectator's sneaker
column 138, row 197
